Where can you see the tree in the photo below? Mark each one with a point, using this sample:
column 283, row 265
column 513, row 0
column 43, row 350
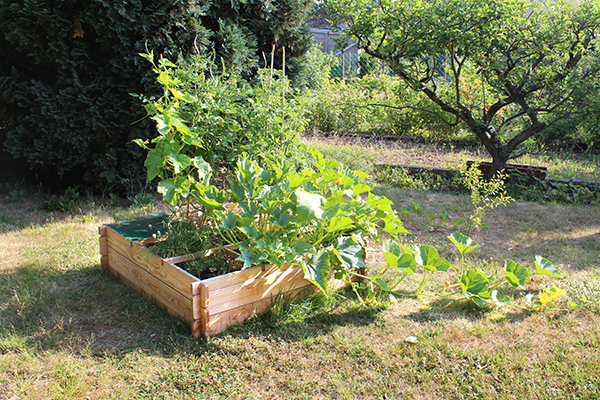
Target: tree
column 506, row 69
column 68, row 69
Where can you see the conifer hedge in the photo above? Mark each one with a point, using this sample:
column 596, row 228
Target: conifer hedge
column 68, row 69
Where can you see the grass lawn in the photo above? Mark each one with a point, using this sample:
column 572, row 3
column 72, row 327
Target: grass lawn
column 67, row 331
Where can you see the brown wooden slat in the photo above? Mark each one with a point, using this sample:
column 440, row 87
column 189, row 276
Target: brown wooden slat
column 103, row 246
column 149, row 286
column 265, row 285
column 104, row 262
column 199, row 325
column 166, row 272
column 237, row 277
column 217, row 323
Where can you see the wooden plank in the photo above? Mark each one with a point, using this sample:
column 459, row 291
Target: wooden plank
column 199, row 325
column 237, row 277
column 263, row 286
column 229, row 250
column 217, row 323
column 150, row 286
column 168, row 273
column 104, row 263
column 102, row 230
column 103, row 245
column 200, row 301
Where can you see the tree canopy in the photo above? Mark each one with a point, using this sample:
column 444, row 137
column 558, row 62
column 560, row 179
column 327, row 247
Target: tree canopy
column 506, row 69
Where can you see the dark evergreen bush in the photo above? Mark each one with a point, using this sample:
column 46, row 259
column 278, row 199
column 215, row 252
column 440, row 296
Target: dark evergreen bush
column 68, row 68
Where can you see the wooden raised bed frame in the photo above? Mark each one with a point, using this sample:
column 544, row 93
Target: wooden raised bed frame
column 210, row 305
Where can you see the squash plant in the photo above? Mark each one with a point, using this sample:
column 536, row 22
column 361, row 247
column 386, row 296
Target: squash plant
column 318, row 217
column 477, row 285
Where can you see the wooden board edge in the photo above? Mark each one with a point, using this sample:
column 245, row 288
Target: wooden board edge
column 218, row 323
column 149, row 286
column 170, row 274
column 199, row 325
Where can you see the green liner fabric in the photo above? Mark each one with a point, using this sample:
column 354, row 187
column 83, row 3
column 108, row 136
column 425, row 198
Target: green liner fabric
column 142, row 228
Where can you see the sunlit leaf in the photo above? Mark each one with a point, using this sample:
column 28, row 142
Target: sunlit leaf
column 516, row 274
column 463, row 243
column 545, row 267
column 426, row 255
column 500, row 299
column 474, row 285
column 551, row 294
column 340, row 223
column 391, row 246
column 316, row 270
column 308, row 205
column 350, row 252
column 167, row 189
column 406, row 263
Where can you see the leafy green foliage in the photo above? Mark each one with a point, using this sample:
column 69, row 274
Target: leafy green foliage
column 485, row 195
column 373, row 103
column 472, row 284
column 318, row 217
column 527, row 60
column 67, row 69
column 206, row 121
column 530, row 189
column 66, row 202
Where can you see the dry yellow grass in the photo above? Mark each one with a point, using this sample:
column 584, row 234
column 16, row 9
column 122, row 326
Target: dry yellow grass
column 67, row 331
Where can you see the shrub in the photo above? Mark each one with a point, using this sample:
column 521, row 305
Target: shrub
column 373, row 103
column 67, row 68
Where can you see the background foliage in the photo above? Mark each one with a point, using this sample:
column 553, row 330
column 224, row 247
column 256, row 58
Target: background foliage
column 67, row 69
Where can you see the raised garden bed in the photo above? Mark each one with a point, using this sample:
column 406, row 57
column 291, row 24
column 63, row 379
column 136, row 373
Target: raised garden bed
column 209, row 305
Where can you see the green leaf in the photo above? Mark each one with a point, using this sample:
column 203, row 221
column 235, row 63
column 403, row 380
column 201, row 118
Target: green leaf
column 349, row 253
column 340, row 223
column 166, row 79
column 180, row 162
column 441, row 265
column 211, row 197
column 167, row 189
column 248, row 257
column 500, row 299
column 228, row 220
column 204, row 169
column 154, row 163
column 406, row 263
column 545, row 267
column 302, row 248
column 426, row 255
column 391, row 246
column 463, row 243
column 516, row 274
column 316, row 270
column 361, row 188
column 418, row 208
column 381, row 283
column 308, row 205
column 474, row 285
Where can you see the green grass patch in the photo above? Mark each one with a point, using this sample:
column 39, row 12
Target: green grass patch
column 68, row 331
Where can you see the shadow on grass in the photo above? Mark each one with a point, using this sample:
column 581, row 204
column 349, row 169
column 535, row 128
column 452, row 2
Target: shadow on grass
column 85, row 312
column 78, row 310
column 308, row 316
column 452, row 310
